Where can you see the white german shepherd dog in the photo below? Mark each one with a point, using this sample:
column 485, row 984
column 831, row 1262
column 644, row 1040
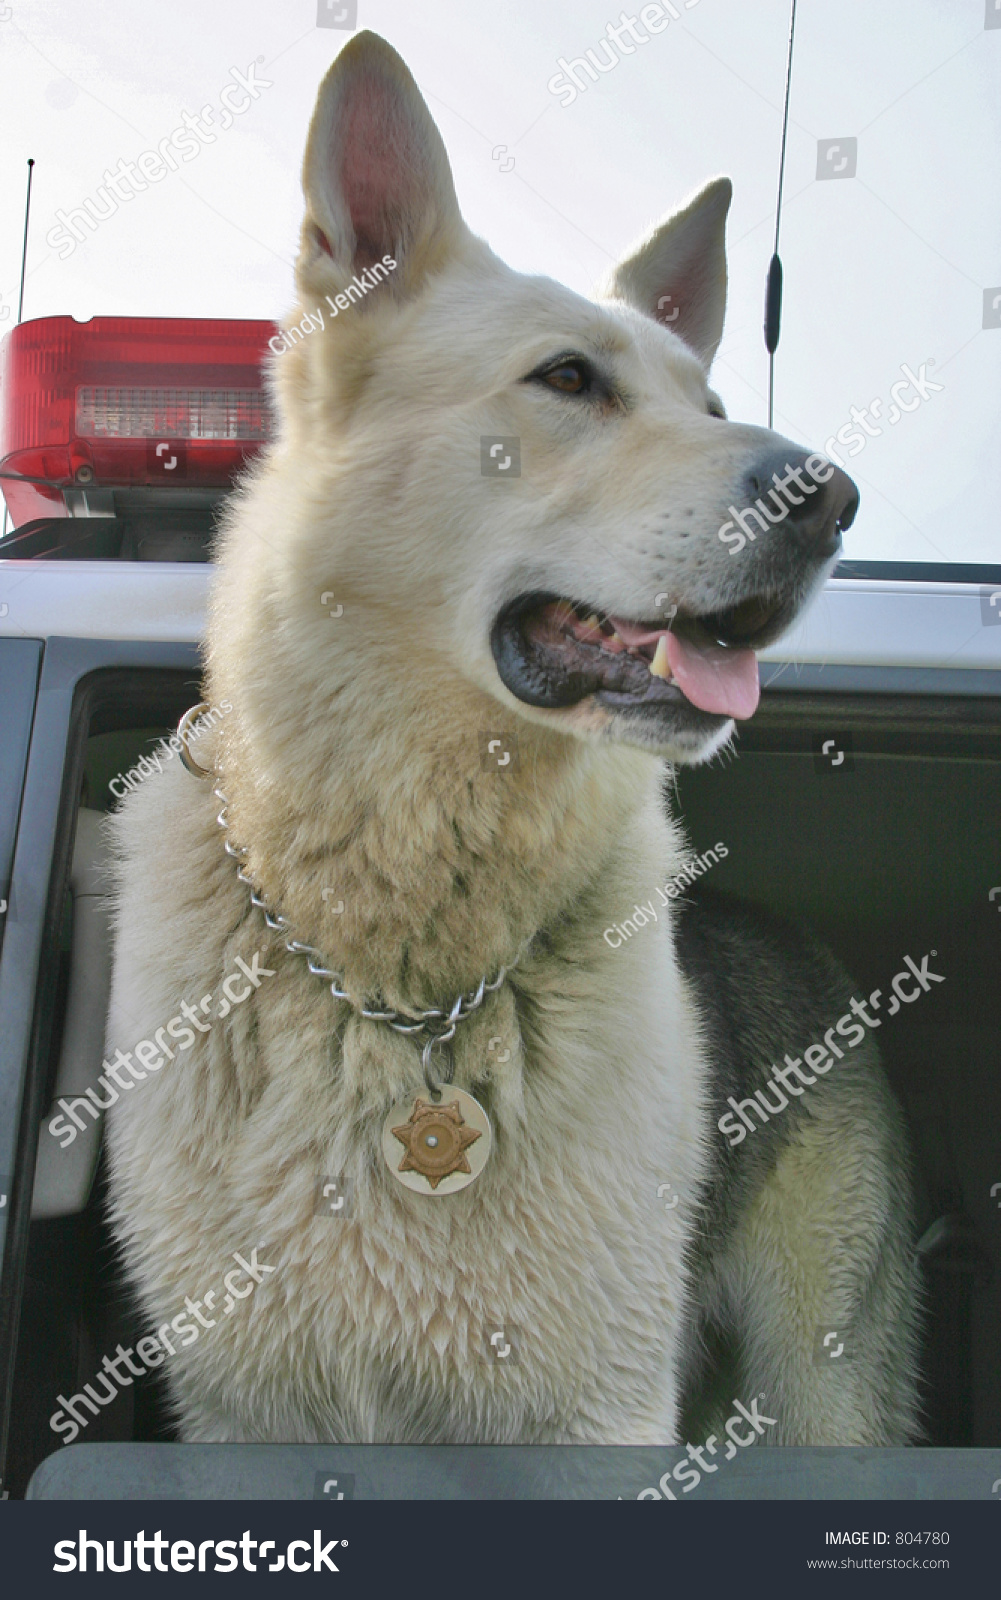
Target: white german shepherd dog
column 454, row 691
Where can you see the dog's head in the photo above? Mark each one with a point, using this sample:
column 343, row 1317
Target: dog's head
column 539, row 493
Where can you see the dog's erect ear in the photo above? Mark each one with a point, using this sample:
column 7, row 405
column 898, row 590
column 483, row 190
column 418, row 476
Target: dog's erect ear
column 678, row 274
column 375, row 175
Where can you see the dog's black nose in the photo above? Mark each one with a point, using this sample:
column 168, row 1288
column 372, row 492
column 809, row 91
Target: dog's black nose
column 807, row 495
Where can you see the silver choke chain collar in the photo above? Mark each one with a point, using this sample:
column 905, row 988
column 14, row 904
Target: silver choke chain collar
column 434, row 1147
column 436, row 1024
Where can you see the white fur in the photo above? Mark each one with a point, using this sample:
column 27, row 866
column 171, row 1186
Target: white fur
column 351, row 762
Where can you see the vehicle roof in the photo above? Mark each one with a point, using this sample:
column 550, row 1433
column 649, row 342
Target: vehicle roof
column 853, row 621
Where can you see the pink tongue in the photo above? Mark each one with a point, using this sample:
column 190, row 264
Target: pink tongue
column 714, row 679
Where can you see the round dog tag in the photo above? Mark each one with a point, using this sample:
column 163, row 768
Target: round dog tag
column 437, row 1148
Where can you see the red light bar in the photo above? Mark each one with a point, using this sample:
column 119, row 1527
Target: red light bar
column 127, row 401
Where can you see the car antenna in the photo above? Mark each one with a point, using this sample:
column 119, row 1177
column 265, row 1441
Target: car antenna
column 773, row 291
column 24, row 250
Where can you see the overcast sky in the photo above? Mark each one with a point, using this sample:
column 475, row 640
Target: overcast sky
column 884, row 269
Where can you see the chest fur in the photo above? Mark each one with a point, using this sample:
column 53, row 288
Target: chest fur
column 379, row 1315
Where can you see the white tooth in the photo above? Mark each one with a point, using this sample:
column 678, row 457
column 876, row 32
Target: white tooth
column 658, row 666
column 592, row 623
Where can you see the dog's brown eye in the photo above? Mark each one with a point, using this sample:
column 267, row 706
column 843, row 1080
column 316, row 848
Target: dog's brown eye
column 572, row 374
column 570, row 378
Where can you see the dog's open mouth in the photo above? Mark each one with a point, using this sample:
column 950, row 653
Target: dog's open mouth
column 555, row 652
